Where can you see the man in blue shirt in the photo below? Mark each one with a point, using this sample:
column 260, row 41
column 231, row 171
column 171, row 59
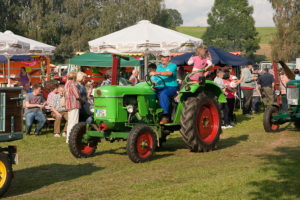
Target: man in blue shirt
column 168, row 72
column 266, row 83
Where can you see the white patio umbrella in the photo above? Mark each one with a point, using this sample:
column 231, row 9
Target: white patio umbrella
column 36, row 48
column 10, row 46
column 33, row 47
column 146, row 38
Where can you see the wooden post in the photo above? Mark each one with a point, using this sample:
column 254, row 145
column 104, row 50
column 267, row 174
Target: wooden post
column 48, row 68
column 114, row 70
column 276, row 82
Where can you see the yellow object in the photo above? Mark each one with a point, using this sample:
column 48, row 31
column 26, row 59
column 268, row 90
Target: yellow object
column 28, row 69
column 3, row 174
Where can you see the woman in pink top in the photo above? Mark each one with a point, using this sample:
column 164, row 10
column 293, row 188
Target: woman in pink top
column 283, row 80
column 200, row 61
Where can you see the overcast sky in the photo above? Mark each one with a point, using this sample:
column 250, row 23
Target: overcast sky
column 194, row 12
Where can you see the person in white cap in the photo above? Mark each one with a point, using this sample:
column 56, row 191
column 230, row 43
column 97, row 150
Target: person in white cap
column 168, row 72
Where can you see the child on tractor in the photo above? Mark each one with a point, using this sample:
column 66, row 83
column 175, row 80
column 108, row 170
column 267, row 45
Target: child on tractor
column 200, row 61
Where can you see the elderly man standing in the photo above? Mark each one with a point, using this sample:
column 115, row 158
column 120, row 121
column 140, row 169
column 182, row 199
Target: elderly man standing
column 72, row 97
column 168, row 72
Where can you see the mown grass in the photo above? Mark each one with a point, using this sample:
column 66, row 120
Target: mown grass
column 265, row 33
column 247, row 164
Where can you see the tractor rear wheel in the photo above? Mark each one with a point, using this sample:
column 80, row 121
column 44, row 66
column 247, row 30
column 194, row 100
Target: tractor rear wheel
column 6, row 173
column 141, row 143
column 78, row 147
column 200, row 123
column 269, row 124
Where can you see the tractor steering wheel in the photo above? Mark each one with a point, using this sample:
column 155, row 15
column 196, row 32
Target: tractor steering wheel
column 148, row 80
column 150, row 83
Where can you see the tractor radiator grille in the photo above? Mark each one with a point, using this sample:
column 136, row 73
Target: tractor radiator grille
column 292, row 93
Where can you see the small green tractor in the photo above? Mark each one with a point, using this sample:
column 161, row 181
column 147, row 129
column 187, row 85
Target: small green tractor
column 11, row 128
column 273, row 116
column 133, row 113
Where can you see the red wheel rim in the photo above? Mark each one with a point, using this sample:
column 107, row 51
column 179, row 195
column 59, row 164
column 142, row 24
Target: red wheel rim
column 207, row 122
column 84, row 148
column 144, row 144
column 274, row 125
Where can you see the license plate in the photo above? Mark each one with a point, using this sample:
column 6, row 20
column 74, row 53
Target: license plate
column 100, row 113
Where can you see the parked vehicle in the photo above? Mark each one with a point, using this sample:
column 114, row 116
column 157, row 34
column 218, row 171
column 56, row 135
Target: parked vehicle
column 273, row 116
column 11, row 126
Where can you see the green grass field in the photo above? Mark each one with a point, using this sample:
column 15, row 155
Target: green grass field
column 247, row 164
column 265, row 33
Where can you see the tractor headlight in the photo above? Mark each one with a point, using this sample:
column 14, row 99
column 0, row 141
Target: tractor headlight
column 130, row 108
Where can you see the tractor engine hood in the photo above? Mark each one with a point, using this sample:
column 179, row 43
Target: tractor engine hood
column 120, row 91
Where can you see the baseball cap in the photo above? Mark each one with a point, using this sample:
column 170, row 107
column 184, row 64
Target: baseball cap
column 165, row 53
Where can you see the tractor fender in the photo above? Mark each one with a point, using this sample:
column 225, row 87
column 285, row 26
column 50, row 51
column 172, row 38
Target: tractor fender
column 210, row 86
column 216, row 90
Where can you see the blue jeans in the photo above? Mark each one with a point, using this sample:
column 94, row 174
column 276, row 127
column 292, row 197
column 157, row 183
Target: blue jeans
column 34, row 115
column 164, row 95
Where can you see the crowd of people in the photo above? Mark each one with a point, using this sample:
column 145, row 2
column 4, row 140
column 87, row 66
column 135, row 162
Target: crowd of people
column 72, row 102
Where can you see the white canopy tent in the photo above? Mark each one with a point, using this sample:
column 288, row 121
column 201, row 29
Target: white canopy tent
column 146, row 38
column 12, row 44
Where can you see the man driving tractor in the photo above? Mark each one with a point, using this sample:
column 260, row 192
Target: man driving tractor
column 168, row 72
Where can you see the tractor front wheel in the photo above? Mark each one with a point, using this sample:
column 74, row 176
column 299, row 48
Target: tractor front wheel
column 269, row 124
column 141, row 143
column 77, row 145
column 200, row 123
column 6, row 173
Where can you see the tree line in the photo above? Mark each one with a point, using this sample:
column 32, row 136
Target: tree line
column 232, row 28
column 70, row 24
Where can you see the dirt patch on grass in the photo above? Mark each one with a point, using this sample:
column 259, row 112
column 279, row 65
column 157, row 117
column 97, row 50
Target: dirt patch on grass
column 280, row 141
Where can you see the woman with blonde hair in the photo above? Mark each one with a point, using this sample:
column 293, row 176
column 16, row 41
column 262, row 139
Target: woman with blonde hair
column 202, row 60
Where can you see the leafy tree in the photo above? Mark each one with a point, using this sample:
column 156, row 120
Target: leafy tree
column 175, row 17
column 232, row 27
column 118, row 14
column 286, row 43
column 70, row 24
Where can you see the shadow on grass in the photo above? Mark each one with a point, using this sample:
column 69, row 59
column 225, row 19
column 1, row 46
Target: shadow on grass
column 31, row 179
column 232, row 141
column 286, row 183
column 172, row 144
column 240, row 118
column 111, row 151
column 287, row 127
column 124, row 153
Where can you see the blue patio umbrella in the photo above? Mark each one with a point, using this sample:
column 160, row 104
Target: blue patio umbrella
column 219, row 57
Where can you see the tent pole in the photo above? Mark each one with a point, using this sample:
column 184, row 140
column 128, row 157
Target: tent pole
column 145, row 64
column 4, row 74
column 8, row 69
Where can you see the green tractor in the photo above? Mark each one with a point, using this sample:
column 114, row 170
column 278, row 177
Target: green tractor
column 273, row 116
column 133, row 113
